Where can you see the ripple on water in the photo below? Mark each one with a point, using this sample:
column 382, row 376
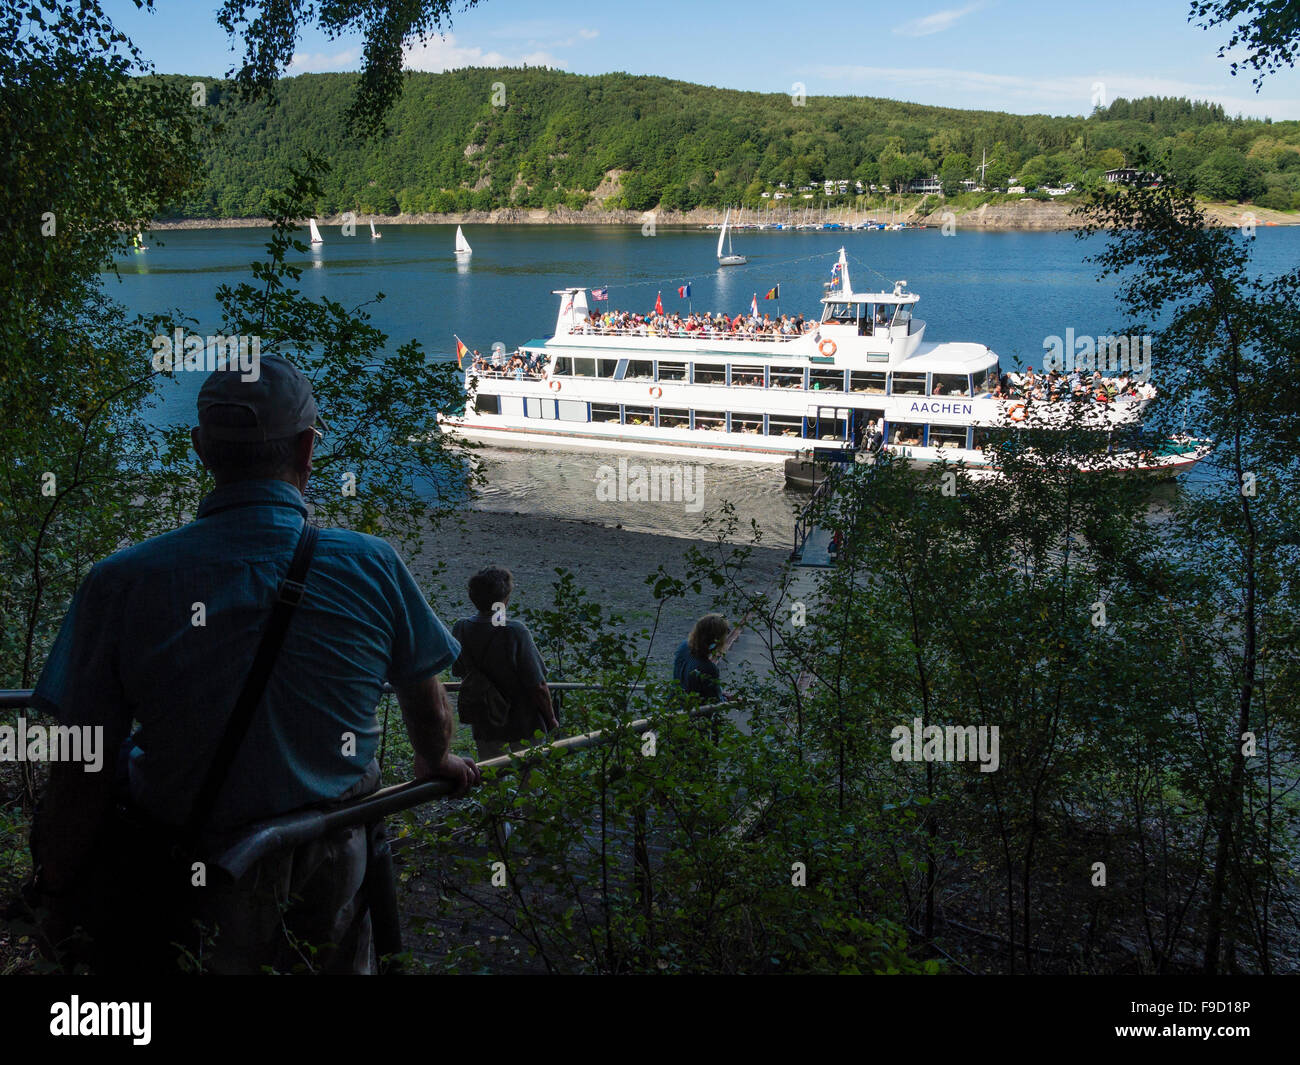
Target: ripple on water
column 562, row 484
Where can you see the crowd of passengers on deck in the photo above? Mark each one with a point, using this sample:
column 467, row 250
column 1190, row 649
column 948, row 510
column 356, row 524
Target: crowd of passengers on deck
column 1077, row 385
column 519, row 365
column 695, row 324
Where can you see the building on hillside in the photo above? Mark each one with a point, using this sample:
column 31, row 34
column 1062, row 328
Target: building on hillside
column 928, row 186
column 1126, row 175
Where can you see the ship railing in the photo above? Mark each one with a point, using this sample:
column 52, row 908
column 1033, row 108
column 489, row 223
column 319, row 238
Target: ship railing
column 509, row 375
column 682, row 334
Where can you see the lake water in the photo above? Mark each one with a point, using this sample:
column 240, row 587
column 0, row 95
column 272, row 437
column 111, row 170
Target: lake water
column 1006, row 290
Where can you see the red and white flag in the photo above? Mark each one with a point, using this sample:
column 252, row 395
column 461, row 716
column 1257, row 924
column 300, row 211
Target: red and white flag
column 659, row 303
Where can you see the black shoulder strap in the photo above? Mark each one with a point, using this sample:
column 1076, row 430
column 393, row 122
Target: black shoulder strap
column 288, row 597
column 473, row 660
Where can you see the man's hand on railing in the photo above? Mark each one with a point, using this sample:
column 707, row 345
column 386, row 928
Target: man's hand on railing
column 462, row 772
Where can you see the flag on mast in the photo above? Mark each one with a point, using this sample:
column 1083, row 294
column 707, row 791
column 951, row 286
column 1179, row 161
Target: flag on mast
column 753, row 305
column 773, row 293
column 659, row 303
column 461, row 350
column 685, row 291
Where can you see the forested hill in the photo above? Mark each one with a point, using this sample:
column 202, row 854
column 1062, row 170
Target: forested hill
column 477, row 139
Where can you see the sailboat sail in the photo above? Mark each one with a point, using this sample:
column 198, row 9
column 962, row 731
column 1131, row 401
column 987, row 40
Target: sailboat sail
column 462, row 245
column 374, row 233
column 731, row 258
column 316, row 238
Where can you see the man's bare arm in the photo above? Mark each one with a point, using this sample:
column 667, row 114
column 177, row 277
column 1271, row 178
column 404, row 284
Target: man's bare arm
column 427, row 713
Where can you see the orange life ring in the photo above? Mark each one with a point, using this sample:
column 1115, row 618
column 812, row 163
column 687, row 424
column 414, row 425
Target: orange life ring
column 656, row 391
column 555, row 386
column 1016, row 412
column 824, row 344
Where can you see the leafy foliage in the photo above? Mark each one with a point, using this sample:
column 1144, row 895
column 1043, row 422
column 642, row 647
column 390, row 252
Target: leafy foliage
column 562, row 141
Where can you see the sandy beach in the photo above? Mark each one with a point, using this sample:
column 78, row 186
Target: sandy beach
column 609, row 562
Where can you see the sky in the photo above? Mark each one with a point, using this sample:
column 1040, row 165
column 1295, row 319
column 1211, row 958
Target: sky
column 1022, row 56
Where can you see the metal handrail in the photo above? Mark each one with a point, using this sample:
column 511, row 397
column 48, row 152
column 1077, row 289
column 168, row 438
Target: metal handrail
column 803, row 525
column 296, row 828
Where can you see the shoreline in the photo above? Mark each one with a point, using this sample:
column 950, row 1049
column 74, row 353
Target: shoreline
column 1010, row 216
column 608, row 562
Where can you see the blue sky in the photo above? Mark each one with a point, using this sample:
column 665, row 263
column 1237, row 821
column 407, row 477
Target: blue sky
column 1023, row 56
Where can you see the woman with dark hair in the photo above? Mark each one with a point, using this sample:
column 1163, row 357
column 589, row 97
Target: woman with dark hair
column 694, row 668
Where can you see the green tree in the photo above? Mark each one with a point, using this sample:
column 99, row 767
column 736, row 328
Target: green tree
column 956, row 168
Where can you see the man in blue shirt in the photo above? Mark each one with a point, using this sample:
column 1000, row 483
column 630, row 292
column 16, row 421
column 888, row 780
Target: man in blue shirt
column 161, row 635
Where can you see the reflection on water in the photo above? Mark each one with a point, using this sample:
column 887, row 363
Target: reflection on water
column 559, row 483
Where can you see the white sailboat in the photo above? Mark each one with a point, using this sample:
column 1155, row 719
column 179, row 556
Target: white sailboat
column 316, row 238
column 374, row 233
column 731, row 258
column 463, row 250
column 138, row 243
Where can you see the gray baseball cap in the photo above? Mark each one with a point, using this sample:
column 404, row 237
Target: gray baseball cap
column 280, row 401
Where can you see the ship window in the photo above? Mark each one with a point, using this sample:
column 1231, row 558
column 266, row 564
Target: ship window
column 985, row 380
column 584, row 367
column 640, row 370
column 746, row 376
column 709, row 419
column 710, row 375
column 784, row 425
column 606, row 367
column 787, row 377
column 672, row 371
column 947, row 436
column 747, row 423
column 911, row 433
column 826, row 380
column 561, row 366
column 674, row 419
column 639, row 415
column 487, row 404
column 841, row 313
column 605, row 412
column 952, row 384
column 867, row 381
column 539, row 408
column 909, row 384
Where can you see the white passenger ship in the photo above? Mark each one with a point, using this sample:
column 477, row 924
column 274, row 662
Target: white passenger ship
column 770, row 397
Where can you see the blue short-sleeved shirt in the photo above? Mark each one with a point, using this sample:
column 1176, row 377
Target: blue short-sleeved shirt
column 129, row 651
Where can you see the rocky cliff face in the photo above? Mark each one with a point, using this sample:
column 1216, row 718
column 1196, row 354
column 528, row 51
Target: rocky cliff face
column 1016, row 214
